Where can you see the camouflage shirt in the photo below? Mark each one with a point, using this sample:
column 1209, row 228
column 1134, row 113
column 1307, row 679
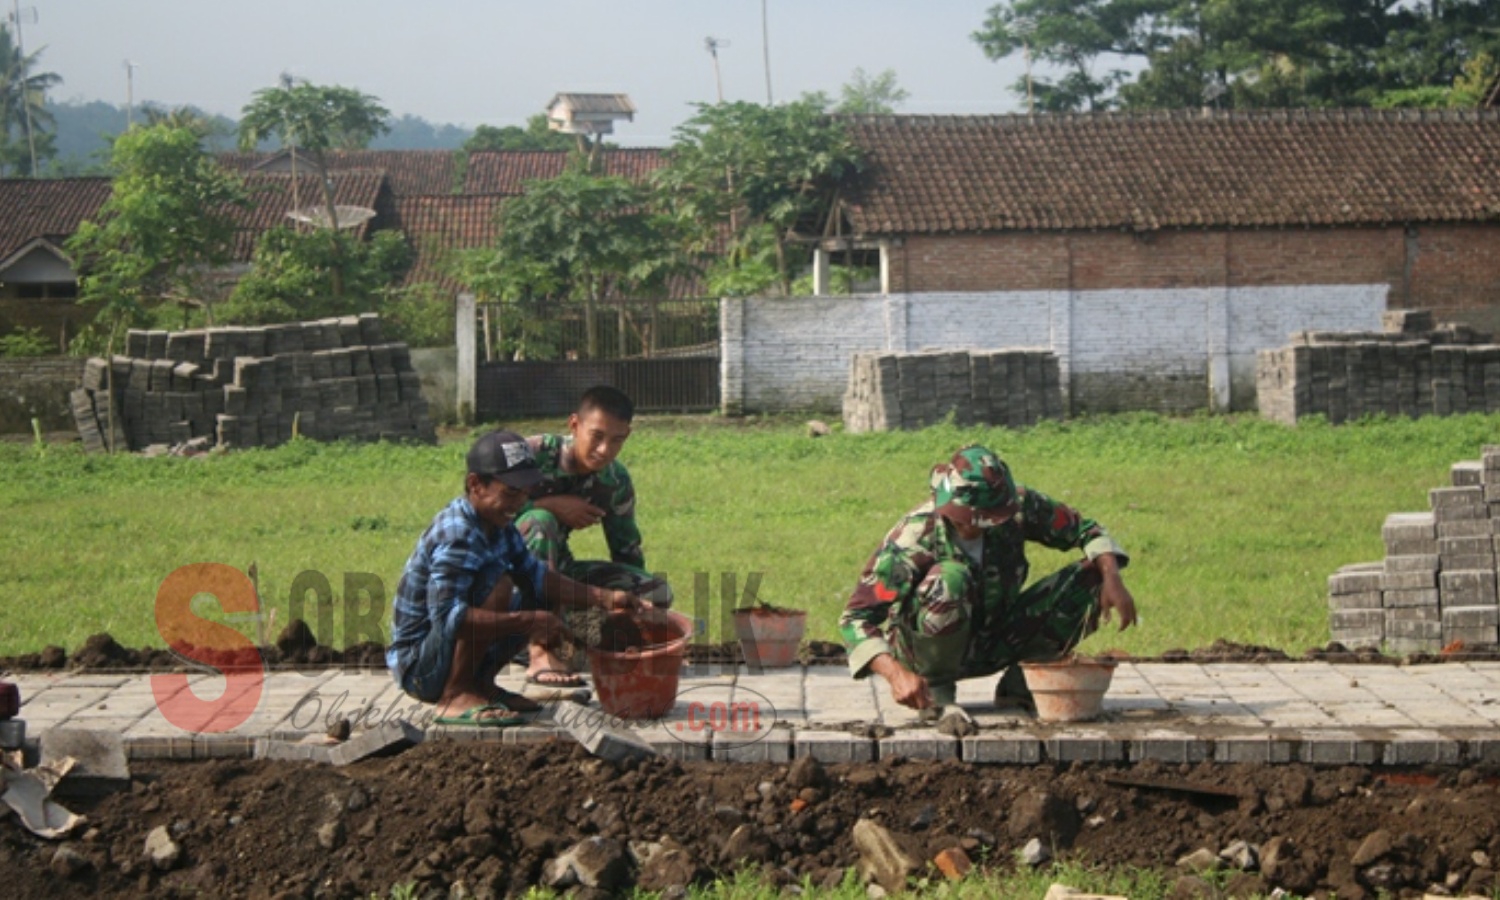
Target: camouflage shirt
column 923, row 538
column 609, row 489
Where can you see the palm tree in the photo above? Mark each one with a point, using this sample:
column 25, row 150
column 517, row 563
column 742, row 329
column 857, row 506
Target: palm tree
column 24, row 119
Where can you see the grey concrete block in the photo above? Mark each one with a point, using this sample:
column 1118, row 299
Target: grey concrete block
column 1413, row 622
column 1339, row 748
column 1492, row 492
column 1169, row 747
column 1083, row 746
column 833, row 747
column 1357, row 619
column 1349, row 580
column 1425, row 596
column 1423, row 562
column 1365, row 600
column 1407, row 644
column 1474, row 562
column 1003, row 749
column 1412, row 547
column 772, row 745
column 1482, row 751
column 1422, row 749
column 1467, row 473
column 1472, row 616
column 1470, row 636
column 1265, row 750
column 919, row 744
column 1465, row 528
column 291, row 751
column 1413, row 526
column 1472, row 587
column 388, row 738
column 1449, row 497
column 1465, row 546
column 99, row 760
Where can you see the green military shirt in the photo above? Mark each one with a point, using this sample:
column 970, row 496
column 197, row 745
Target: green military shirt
column 923, row 539
column 610, row 489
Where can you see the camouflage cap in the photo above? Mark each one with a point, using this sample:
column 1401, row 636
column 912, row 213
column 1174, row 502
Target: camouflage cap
column 975, row 488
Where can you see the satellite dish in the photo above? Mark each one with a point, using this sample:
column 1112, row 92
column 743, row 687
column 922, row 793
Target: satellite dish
column 348, row 216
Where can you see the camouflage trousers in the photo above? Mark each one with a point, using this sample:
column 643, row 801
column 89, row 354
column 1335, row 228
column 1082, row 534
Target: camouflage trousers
column 938, row 638
column 544, row 538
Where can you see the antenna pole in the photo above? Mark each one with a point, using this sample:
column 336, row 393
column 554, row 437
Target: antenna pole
column 765, row 43
column 129, row 94
column 15, row 17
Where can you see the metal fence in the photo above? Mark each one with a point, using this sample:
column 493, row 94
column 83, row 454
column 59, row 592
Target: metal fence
column 630, row 329
column 517, row 390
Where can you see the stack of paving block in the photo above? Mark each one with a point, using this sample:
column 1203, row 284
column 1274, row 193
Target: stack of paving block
column 1437, row 584
column 1012, row 387
column 1444, row 370
column 255, row 387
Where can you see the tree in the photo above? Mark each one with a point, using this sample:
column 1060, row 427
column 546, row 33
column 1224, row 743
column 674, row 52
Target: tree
column 757, row 170
column 871, row 96
column 310, row 275
column 535, row 136
column 25, row 123
column 314, row 119
column 576, row 237
column 1243, row 54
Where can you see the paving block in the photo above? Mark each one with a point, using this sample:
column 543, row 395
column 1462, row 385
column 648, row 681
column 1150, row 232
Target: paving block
column 1450, row 497
column 671, row 746
column 1409, row 581
column 1357, row 620
column 1486, row 616
column 1465, row 546
column 1357, row 578
column 386, row 739
column 1163, row 745
column 1259, row 749
column 292, row 751
column 1011, row 748
column 1482, row 751
column 1339, row 748
column 1085, row 746
column 1474, row 587
column 1419, row 597
column 1413, row 622
column 1465, row 528
column 1399, row 644
column 772, row 745
column 833, row 746
column 1364, row 600
column 1492, row 492
column 1413, row 547
column 1470, row 636
column 99, row 766
column 1467, row 473
column 1418, row 562
column 1421, row 748
column 1409, row 527
column 919, row 743
column 1470, row 562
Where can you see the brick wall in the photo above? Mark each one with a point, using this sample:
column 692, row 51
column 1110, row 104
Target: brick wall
column 37, row 388
column 1163, row 348
column 1453, row 270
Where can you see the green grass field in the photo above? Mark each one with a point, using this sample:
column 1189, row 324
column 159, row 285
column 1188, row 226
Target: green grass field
column 1233, row 524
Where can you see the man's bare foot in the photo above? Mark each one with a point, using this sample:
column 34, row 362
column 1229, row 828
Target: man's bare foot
column 545, row 668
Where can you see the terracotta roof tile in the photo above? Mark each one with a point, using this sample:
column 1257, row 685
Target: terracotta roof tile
column 46, row 208
column 410, row 172
column 507, row 171
column 928, row 174
column 437, row 227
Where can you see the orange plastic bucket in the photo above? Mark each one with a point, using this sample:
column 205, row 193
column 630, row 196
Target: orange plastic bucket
column 641, row 683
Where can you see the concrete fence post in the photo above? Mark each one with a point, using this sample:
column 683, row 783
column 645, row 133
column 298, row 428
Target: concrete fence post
column 1217, row 330
column 732, row 355
column 466, row 375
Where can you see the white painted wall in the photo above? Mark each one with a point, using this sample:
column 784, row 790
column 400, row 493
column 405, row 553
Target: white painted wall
column 1122, row 349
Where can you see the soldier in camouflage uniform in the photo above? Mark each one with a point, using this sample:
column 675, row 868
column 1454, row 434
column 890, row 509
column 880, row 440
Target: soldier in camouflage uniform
column 584, row 485
column 942, row 599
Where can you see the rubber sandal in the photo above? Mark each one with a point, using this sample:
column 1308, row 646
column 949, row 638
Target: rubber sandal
column 566, row 680
column 471, row 717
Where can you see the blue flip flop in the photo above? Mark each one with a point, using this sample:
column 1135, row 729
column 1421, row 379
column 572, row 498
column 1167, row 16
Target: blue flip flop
column 474, row 717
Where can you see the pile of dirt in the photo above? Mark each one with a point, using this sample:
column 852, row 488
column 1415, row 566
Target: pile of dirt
column 497, row 818
column 298, row 648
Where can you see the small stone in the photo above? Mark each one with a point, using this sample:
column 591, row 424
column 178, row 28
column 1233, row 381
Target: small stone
column 67, row 862
column 746, row 843
column 161, row 851
column 1191, row 887
column 882, row 857
column 1480, row 858
column 1272, row 854
column 340, row 729
column 954, row 863
column 1240, row 855
column 805, row 773
column 1200, row 860
column 818, row 428
column 357, row 800
column 924, row 817
column 876, row 892
column 1035, row 853
column 1375, row 846
column 331, row 835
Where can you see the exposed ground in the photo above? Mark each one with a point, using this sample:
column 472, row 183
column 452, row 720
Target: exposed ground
column 492, row 816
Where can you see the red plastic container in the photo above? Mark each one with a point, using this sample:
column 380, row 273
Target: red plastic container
column 642, row 683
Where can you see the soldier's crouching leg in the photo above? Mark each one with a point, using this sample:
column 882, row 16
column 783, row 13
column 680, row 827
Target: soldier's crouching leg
column 1053, row 615
column 933, row 642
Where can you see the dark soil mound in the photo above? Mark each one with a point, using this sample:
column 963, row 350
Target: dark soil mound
column 491, row 816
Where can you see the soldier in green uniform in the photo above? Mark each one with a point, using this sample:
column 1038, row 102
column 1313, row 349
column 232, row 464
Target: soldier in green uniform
column 942, row 599
column 583, row 485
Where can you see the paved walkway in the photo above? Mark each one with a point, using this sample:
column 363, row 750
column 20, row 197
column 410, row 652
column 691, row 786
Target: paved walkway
column 1324, row 713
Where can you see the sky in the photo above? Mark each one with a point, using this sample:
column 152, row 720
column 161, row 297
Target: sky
column 497, row 62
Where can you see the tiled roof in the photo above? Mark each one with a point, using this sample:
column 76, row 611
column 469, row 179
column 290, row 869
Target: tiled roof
column 410, row 172
column 46, row 208
column 593, row 103
column 507, row 171
column 437, row 227
column 272, row 198
column 935, row 174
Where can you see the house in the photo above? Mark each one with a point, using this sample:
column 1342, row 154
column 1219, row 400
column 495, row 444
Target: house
column 1157, row 252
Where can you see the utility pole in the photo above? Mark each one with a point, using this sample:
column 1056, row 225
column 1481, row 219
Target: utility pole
column 1026, row 27
column 765, row 43
column 15, row 17
column 712, row 45
column 129, row 94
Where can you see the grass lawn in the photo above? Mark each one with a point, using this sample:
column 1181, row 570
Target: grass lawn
column 1233, row 524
